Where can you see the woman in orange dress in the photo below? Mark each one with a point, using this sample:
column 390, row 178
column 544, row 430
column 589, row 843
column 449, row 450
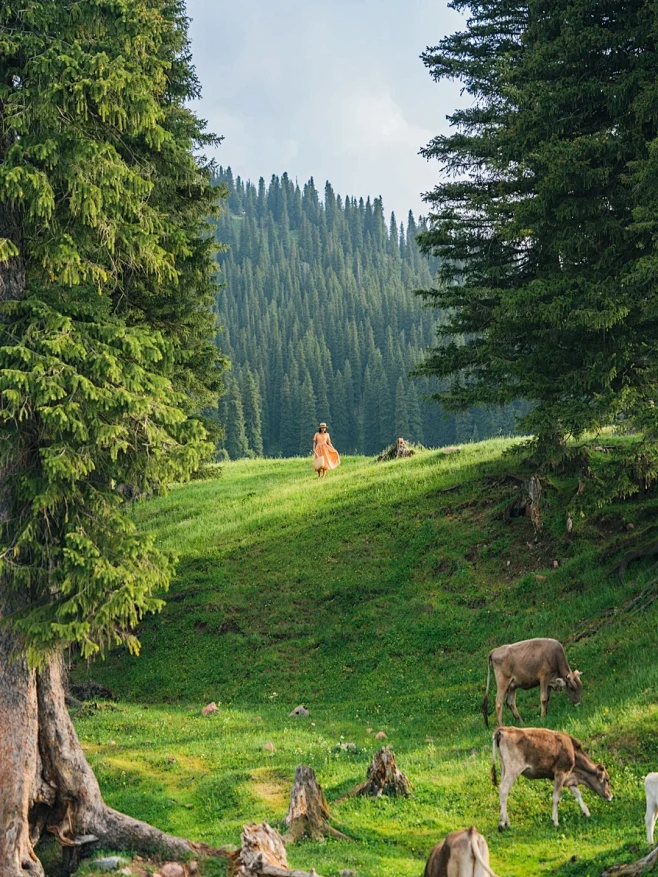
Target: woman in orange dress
column 325, row 455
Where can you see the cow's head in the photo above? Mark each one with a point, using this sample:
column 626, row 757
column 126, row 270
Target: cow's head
column 599, row 782
column 574, row 686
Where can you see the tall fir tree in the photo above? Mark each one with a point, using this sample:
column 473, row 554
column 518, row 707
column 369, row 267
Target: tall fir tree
column 235, row 439
column 542, row 241
column 252, row 411
column 107, row 355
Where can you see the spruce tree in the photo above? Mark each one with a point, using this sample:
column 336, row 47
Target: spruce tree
column 307, row 417
column 235, row 440
column 401, row 413
column 106, row 288
column 541, row 235
column 252, row 408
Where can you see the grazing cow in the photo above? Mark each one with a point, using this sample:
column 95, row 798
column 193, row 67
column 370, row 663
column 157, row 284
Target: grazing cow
column 528, row 664
column 540, row 754
column 461, row 854
column 651, row 789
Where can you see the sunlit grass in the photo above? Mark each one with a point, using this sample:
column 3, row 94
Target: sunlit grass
column 374, row 597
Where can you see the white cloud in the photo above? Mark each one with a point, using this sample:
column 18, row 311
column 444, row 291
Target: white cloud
column 329, row 88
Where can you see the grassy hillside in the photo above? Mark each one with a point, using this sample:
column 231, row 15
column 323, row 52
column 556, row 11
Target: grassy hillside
column 374, row 597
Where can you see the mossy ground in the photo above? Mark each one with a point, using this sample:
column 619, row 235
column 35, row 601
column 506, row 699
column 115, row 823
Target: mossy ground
column 373, row 598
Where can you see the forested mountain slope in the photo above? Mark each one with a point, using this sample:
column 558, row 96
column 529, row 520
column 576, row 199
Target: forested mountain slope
column 320, row 323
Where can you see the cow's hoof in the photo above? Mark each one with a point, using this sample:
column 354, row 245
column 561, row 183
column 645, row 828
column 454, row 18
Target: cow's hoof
column 502, row 827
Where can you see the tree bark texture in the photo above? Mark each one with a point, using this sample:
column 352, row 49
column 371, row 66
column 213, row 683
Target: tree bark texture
column 46, row 782
column 384, row 777
column 308, row 813
column 642, row 866
column 263, row 854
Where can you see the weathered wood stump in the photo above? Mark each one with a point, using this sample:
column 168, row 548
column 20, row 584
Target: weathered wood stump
column 263, row 854
column 642, row 866
column 384, row 777
column 308, row 813
column 397, row 450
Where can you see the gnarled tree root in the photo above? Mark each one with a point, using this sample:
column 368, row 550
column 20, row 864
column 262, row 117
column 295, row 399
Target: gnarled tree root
column 47, row 784
column 642, row 866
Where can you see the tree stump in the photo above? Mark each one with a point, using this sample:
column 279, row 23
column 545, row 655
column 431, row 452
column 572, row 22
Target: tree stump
column 397, row 450
column 263, row 854
column 308, row 813
column 642, row 866
column 384, row 777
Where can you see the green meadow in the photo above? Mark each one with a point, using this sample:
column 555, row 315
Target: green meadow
column 373, row 597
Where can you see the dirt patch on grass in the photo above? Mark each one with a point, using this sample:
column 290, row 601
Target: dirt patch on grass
column 271, row 787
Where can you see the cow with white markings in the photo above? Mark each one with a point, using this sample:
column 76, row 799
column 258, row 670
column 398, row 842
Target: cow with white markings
column 540, row 754
column 461, row 854
column 651, row 790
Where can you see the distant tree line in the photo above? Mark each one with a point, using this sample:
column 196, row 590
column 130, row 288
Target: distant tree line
column 320, row 324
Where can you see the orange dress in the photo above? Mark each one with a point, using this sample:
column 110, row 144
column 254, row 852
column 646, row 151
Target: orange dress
column 326, row 455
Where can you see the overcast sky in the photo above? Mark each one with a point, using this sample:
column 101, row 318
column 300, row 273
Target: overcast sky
column 333, row 89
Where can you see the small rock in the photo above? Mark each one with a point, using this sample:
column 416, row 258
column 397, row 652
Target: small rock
column 347, row 873
column 348, row 747
column 380, row 735
column 556, row 563
column 192, row 866
column 269, row 747
column 540, row 578
column 210, row 710
column 630, row 526
column 258, row 719
column 126, row 872
column 110, row 863
column 299, row 712
column 429, row 739
column 172, row 869
column 369, row 730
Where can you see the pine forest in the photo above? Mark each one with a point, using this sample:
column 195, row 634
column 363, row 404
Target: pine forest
column 320, row 323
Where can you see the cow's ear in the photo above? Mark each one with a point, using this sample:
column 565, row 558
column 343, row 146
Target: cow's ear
column 560, row 683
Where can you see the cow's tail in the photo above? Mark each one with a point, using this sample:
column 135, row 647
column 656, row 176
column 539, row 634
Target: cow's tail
column 494, row 750
column 472, row 833
column 485, row 703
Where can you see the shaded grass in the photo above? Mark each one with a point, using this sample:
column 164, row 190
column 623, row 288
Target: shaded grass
column 374, row 597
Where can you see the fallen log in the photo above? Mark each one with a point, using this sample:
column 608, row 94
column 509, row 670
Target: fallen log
column 642, row 866
column 384, row 777
column 263, row 854
column 308, row 813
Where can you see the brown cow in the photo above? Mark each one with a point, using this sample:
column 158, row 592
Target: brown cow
column 540, row 754
column 528, row 664
column 461, row 854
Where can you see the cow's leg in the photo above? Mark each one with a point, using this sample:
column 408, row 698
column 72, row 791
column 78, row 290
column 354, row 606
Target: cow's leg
column 557, row 794
column 511, row 702
column 545, row 693
column 650, row 820
column 507, row 780
column 502, row 684
column 575, row 791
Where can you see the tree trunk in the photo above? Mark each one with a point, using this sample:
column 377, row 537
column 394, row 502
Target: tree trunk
column 384, row 777
column 46, row 782
column 263, row 854
column 308, row 813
